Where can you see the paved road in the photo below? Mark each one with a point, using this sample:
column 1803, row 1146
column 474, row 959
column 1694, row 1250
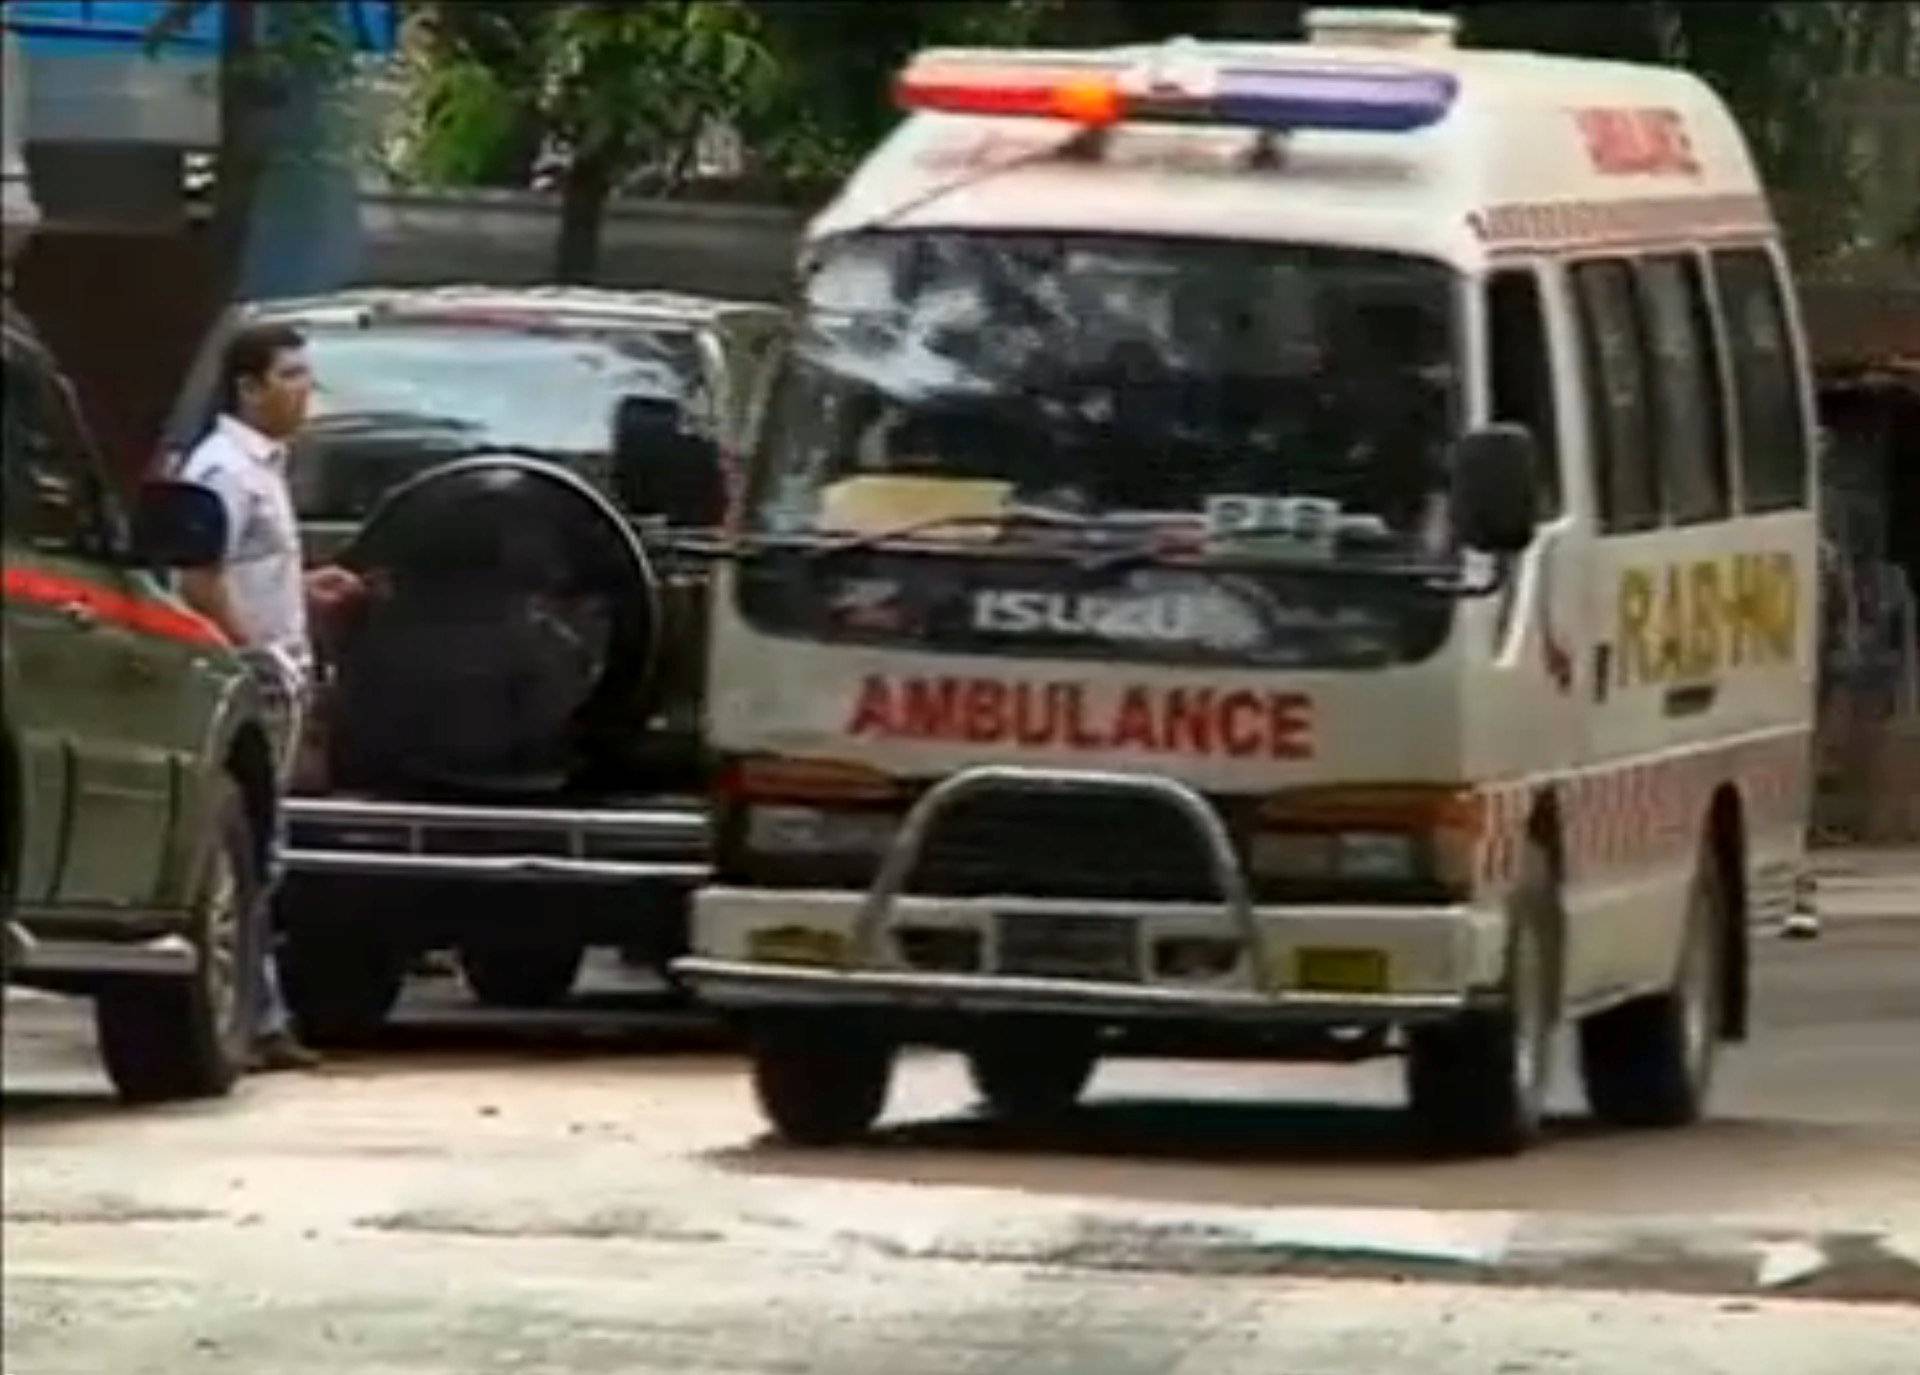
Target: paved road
column 590, row 1192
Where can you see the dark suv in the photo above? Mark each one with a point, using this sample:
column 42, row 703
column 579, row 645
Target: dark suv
column 136, row 790
column 506, row 755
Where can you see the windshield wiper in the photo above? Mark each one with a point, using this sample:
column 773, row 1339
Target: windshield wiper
column 1030, row 517
column 1223, row 558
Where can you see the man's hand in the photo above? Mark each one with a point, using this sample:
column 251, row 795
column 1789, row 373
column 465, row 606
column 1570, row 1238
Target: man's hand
column 335, row 595
column 333, row 589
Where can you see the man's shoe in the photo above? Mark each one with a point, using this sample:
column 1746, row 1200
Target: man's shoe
column 280, row 1051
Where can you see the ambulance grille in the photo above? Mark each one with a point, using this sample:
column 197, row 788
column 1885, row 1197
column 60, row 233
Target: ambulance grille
column 1064, row 845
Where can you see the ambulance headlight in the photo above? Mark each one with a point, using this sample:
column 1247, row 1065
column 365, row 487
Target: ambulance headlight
column 1402, row 838
column 793, row 830
column 1338, row 856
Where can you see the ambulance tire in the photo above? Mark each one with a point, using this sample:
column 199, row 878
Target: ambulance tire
column 1030, row 1080
column 819, row 1081
column 521, row 975
column 1478, row 1084
column 1649, row 1062
column 340, row 983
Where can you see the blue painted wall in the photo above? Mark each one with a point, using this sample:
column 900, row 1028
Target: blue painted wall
column 305, row 234
column 97, row 26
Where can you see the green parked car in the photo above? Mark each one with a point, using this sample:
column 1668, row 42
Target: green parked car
column 136, row 787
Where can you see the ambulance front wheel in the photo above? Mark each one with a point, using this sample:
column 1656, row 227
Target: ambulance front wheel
column 1649, row 1062
column 820, row 1081
column 1033, row 1079
column 1478, row 1084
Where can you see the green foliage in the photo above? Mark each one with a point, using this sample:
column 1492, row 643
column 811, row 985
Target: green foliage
column 465, row 119
column 807, row 82
column 624, row 86
column 831, row 100
column 1785, row 70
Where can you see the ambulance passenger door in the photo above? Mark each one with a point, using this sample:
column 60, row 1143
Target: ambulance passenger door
column 1524, row 340
column 1614, row 901
column 1661, row 579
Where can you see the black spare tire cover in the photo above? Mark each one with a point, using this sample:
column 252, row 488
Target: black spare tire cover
column 512, row 606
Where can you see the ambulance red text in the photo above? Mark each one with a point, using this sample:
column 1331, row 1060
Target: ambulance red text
column 1200, row 721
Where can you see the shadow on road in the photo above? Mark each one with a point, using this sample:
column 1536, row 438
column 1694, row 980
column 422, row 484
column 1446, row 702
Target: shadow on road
column 53, row 1074
column 587, row 1025
column 50, row 1107
column 1132, row 1130
column 1347, row 1156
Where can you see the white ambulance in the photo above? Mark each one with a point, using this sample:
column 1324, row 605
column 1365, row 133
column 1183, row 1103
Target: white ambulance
column 1302, row 549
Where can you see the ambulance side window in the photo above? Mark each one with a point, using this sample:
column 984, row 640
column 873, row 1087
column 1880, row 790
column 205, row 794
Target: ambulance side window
column 1619, row 396
column 1773, row 438
column 1688, row 420
column 1520, row 371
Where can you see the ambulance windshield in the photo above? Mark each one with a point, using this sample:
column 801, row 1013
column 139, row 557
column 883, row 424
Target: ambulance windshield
column 1131, row 379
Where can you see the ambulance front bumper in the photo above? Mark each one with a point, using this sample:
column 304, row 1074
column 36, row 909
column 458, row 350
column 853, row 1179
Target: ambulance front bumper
column 761, row 950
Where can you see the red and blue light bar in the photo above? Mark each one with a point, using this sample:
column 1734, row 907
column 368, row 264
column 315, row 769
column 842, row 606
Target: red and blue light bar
column 1364, row 97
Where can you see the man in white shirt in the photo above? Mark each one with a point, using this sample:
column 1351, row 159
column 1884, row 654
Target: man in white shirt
column 258, row 595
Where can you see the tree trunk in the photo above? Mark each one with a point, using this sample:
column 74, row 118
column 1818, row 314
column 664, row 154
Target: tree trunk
column 583, row 209
column 244, row 132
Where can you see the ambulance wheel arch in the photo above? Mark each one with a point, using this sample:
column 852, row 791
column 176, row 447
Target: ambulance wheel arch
column 1726, row 844
column 1544, row 833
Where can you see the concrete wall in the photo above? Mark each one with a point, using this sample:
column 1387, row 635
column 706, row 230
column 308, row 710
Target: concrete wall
column 713, row 249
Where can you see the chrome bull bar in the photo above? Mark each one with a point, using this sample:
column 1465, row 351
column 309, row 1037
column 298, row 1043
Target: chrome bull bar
column 903, row 856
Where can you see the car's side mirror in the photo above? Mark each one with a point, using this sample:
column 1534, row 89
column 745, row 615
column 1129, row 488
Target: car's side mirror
column 1495, row 498
column 661, row 469
column 179, row 525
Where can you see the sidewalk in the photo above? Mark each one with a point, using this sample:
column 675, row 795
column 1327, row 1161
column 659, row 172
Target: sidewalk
column 1873, row 862
column 1867, row 881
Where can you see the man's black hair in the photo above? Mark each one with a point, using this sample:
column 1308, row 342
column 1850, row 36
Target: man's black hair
column 251, row 354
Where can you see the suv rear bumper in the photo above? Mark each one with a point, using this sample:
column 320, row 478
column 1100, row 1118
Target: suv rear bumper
column 661, row 845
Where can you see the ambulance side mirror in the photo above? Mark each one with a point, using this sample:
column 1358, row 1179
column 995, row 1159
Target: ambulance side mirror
column 1495, row 489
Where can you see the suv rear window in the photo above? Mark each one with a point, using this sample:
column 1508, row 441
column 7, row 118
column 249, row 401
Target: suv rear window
column 394, row 399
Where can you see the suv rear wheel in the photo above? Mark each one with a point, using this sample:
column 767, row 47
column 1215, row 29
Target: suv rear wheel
column 187, row 1038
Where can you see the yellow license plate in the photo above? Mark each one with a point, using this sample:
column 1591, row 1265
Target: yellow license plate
column 1326, row 969
column 797, row 945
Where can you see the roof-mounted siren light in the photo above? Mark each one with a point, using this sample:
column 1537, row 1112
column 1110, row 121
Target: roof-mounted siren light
column 1401, row 30
column 1183, row 84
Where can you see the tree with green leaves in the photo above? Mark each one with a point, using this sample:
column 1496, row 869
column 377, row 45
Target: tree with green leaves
column 268, row 53
column 837, row 60
column 621, row 92
column 820, row 71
